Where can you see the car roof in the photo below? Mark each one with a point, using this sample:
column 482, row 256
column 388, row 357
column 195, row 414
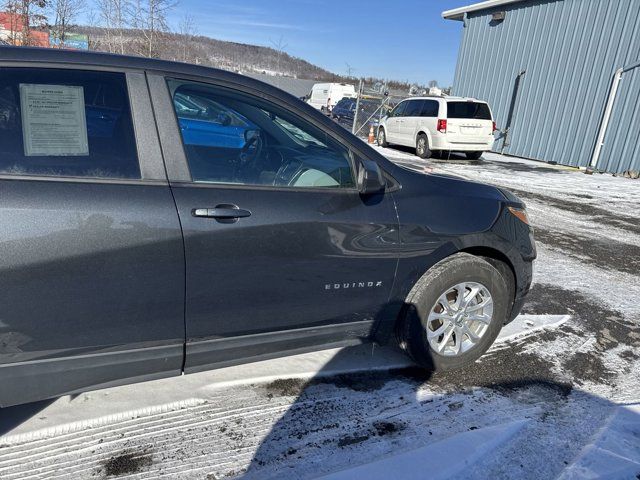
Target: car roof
column 445, row 98
column 52, row 56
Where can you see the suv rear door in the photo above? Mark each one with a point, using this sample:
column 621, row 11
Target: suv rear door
column 92, row 270
column 468, row 121
column 281, row 250
column 429, row 117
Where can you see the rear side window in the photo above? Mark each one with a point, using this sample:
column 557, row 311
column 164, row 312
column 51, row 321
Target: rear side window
column 478, row 111
column 414, row 107
column 430, row 108
column 69, row 123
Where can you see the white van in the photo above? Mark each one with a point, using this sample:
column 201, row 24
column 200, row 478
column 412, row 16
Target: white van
column 441, row 124
column 324, row 96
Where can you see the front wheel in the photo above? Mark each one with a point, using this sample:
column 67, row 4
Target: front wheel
column 454, row 313
column 382, row 138
column 422, row 146
column 474, row 155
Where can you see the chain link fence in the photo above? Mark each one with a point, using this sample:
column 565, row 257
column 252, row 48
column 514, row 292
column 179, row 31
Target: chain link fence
column 363, row 114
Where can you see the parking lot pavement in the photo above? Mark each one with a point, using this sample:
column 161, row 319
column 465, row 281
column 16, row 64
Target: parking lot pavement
column 557, row 396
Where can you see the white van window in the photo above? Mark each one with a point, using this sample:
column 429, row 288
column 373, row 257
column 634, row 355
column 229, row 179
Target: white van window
column 414, row 107
column 430, row 108
column 399, row 109
column 478, row 111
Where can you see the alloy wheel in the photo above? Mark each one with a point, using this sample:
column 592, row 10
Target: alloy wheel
column 422, row 143
column 459, row 318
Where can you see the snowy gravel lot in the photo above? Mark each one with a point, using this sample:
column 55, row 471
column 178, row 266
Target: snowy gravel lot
column 558, row 396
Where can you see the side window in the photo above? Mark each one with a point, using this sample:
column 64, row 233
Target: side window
column 232, row 138
column 399, row 110
column 430, row 108
column 57, row 122
column 414, row 107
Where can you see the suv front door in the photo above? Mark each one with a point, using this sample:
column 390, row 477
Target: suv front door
column 92, row 265
column 407, row 131
column 394, row 121
column 281, row 250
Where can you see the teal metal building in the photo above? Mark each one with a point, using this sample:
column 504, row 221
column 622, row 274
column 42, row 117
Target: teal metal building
column 562, row 77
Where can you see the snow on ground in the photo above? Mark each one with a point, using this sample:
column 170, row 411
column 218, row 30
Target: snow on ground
column 557, row 396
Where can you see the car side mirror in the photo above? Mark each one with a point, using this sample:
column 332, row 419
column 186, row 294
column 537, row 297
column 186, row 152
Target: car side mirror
column 370, row 178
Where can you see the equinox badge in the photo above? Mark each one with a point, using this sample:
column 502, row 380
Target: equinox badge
column 344, row 286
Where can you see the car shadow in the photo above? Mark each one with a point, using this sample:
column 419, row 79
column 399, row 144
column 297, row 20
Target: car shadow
column 341, row 419
column 13, row 417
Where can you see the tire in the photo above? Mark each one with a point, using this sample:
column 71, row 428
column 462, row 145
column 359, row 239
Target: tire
column 473, row 155
column 425, row 300
column 382, row 138
column 422, row 146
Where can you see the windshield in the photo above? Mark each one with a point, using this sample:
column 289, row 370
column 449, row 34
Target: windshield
column 296, row 133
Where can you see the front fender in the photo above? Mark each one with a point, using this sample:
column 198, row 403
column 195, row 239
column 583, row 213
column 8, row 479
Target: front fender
column 412, row 265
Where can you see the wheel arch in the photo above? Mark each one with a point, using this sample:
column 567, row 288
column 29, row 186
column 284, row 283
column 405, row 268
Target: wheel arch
column 500, row 262
column 498, row 259
column 423, row 131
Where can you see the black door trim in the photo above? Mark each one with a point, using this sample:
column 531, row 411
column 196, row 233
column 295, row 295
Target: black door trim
column 225, row 352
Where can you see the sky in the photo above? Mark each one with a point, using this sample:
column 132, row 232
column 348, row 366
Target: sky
column 392, row 39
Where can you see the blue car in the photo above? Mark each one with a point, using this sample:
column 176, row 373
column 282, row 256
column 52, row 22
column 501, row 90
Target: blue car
column 206, row 123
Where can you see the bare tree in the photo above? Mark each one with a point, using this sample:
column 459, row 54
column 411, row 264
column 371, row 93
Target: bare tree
column 279, row 46
column 25, row 15
column 64, row 13
column 115, row 17
column 187, row 31
column 432, row 83
column 11, row 8
column 154, row 23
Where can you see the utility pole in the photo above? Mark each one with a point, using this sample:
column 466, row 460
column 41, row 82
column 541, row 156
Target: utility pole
column 355, row 117
column 350, row 69
column 385, row 101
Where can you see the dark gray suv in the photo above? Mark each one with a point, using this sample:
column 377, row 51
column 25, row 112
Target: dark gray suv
column 159, row 218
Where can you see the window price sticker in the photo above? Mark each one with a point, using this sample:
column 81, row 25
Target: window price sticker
column 53, row 120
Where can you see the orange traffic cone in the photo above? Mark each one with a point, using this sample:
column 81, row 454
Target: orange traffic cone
column 372, row 137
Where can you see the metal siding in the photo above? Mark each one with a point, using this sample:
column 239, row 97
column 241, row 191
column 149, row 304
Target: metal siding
column 570, row 50
column 621, row 150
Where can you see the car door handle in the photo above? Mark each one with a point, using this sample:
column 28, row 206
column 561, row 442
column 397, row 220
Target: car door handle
column 223, row 211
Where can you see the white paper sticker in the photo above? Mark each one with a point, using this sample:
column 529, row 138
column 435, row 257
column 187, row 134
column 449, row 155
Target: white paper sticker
column 53, row 120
